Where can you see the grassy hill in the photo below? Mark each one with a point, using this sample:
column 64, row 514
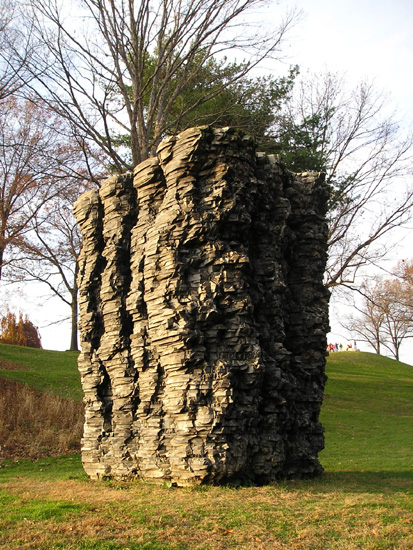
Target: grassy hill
column 41, row 410
column 367, row 411
column 362, row 502
column 368, row 414
column 51, row 371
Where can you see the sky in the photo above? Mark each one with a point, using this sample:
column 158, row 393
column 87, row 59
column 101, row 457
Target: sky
column 364, row 39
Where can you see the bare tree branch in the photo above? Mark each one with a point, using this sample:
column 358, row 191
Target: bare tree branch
column 368, row 162
column 123, row 65
column 385, row 316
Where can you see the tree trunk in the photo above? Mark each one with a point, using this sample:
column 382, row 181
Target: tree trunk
column 397, row 351
column 1, row 261
column 74, row 346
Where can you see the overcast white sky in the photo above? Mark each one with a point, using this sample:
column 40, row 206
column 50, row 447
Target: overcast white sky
column 364, row 38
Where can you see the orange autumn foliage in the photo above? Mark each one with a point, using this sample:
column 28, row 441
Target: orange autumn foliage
column 19, row 332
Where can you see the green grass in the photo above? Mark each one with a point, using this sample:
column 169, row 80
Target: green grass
column 367, row 411
column 364, row 500
column 47, row 468
column 368, row 414
column 24, row 508
column 52, row 371
column 336, row 512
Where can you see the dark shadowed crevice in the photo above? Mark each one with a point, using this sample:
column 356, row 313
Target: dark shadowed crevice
column 105, row 396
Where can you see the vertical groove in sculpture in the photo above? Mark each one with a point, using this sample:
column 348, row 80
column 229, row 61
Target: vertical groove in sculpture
column 203, row 315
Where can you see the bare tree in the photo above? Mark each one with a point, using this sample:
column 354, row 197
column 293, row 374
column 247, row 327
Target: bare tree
column 386, row 315
column 37, row 163
column 367, row 159
column 404, row 272
column 25, row 170
column 44, row 169
column 8, row 73
column 49, row 250
column 16, row 49
column 395, row 301
column 49, row 254
column 366, row 321
column 122, row 67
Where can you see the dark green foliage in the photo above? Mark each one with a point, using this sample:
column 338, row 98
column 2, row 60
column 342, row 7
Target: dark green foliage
column 215, row 96
column 302, row 143
column 249, row 104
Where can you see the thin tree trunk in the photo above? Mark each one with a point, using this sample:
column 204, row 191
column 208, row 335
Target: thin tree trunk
column 73, row 340
column 396, row 349
column 378, row 345
column 1, row 261
column 74, row 345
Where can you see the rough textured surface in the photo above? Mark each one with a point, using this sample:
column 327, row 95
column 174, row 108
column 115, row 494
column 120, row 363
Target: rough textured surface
column 203, row 316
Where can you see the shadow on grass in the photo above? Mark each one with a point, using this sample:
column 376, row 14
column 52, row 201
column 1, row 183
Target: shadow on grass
column 70, row 467
column 361, row 482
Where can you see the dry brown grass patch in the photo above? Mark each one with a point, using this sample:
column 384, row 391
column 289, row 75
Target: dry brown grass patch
column 35, row 424
column 8, row 365
column 301, row 518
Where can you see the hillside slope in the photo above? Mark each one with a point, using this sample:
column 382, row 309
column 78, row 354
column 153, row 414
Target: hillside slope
column 367, row 411
column 41, row 409
column 368, row 414
column 51, row 371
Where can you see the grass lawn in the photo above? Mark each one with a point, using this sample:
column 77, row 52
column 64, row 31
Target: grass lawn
column 364, row 500
column 44, row 370
column 368, row 414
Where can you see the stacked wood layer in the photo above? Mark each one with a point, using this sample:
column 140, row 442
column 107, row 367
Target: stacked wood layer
column 203, row 316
